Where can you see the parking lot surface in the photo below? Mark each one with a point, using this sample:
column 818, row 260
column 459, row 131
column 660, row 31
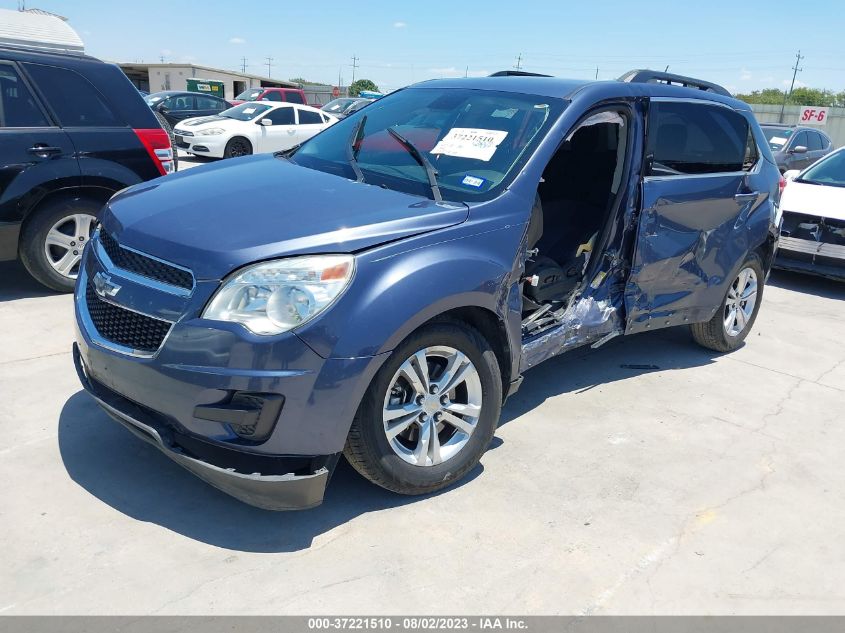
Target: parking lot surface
column 649, row 476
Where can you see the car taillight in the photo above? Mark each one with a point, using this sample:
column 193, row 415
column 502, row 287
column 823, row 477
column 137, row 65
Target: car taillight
column 157, row 143
column 782, row 183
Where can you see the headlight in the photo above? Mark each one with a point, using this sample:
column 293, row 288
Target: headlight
column 277, row 296
column 214, row 131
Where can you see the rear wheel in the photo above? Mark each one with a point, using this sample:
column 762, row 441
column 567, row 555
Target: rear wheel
column 238, row 146
column 430, row 413
column 733, row 321
column 53, row 239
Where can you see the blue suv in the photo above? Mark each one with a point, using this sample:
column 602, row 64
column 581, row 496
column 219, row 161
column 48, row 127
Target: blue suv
column 379, row 291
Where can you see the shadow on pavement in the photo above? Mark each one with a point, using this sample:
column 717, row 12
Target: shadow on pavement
column 810, row 284
column 17, row 283
column 137, row 480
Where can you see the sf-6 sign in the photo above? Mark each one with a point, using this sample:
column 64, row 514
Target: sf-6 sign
column 812, row 115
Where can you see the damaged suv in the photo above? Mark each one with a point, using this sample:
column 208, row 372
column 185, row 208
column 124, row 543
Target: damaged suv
column 390, row 281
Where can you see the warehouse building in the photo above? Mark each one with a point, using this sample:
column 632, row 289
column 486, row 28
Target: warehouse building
column 174, row 76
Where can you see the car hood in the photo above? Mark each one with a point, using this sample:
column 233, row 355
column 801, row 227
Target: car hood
column 821, row 200
column 216, row 218
column 202, row 120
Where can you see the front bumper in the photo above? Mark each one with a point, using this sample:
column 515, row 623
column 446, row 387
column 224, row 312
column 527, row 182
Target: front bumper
column 270, row 492
column 808, row 256
column 213, row 146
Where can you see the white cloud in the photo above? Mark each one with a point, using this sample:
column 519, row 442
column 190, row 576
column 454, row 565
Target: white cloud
column 400, row 25
column 237, row 40
column 166, row 52
column 745, row 75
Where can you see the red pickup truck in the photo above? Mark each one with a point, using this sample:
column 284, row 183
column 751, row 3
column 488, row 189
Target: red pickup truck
column 292, row 95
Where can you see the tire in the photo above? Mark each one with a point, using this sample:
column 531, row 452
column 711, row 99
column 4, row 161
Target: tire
column 59, row 222
column 165, row 125
column 717, row 334
column 238, row 146
column 395, row 464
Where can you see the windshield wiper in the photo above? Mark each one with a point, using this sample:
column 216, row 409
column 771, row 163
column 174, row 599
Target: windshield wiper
column 354, row 146
column 430, row 171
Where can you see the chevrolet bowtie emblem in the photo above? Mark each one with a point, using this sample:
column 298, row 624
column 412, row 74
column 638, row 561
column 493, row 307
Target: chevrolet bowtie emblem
column 104, row 286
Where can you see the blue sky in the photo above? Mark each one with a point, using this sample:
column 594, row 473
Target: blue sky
column 744, row 45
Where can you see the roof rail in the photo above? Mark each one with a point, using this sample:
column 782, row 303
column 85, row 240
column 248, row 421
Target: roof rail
column 517, row 73
column 654, row 76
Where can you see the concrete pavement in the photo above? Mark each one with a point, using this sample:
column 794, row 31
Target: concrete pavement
column 650, row 476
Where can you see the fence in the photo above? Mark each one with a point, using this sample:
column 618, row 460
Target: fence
column 834, row 127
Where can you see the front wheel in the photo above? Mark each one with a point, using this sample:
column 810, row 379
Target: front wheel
column 430, row 413
column 734, row 319
column 238, row 146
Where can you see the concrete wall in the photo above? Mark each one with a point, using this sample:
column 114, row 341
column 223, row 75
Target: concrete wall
column 178, row 79
column 834, row 128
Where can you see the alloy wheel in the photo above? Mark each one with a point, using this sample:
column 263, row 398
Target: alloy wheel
column 740, row 302
column 432, row 406
column 65, row 241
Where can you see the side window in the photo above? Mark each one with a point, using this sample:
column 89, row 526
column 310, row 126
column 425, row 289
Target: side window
column 180, row 102
column 18, row 107
column 825, row 141
column 306, row 117
column 272, row 96
column 752, row 154
column 72, row 97
column 281, row 116
column 815, row 141
column 801, row 139
column 692, row 138
column 207, row 103
column 294, row 97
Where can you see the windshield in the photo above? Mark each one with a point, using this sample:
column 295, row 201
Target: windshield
column 777, row 137
column 828, row 171
column 338, row 105
column 473, row 138
column 245, row 111
column 249, row 95
column 154, row 99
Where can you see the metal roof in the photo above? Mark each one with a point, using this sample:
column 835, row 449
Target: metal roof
column 38, row 29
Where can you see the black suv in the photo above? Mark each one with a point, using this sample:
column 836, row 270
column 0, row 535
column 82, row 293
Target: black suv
column 73, row 131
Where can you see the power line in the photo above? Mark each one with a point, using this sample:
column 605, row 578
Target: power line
column 269, row 65
column 795, row 71
column 355, row 65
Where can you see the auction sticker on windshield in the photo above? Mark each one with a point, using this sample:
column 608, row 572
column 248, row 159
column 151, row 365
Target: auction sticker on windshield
column 465, row 142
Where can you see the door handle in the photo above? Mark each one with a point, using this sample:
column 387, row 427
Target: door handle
column 746, row 197
column 291, row 132
column 44, row 151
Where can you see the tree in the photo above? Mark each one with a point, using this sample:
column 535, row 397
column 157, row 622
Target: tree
column 361, row 84
column 800, row 96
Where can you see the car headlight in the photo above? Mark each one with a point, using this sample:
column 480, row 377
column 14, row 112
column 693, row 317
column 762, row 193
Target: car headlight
column 277, row 296
column 214, row 131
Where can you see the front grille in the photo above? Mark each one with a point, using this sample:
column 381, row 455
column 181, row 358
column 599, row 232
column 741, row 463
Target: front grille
column 124, row 327
column 145, row 266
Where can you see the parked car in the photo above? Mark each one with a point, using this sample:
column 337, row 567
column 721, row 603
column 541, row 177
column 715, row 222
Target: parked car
column 343, row 107
column 73, row 130
column 177, row 105
column 796, row 147
column 380, row 291
column 251, row 128
column 289, row 95
column 813, row 232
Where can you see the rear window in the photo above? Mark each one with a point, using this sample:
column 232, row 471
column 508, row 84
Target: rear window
column 692, row 138
column 249, row 95
column 294, row 97
column 74, row 100
column 17, row 105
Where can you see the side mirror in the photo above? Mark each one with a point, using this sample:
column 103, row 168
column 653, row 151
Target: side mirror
column 798, row 149
column 160, row 107
column 791, row 174
column 265, row 122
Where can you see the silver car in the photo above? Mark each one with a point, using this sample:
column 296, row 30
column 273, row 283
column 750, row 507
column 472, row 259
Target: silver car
column 796, row 147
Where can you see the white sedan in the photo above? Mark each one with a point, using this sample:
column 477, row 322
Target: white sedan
column 251, row 128
column 813, row 231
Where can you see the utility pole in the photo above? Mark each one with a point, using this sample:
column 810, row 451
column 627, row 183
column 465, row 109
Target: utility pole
column 597, row 73
column 666, row 70
column 795, row 71
column 243, row 65
column 269, row 65
column 466, row 73
column 518, row 65
column 354, row 66
column 162, row 58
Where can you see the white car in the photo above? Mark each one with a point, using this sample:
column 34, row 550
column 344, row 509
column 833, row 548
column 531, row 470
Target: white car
column 813, row 231
column 251, row 128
